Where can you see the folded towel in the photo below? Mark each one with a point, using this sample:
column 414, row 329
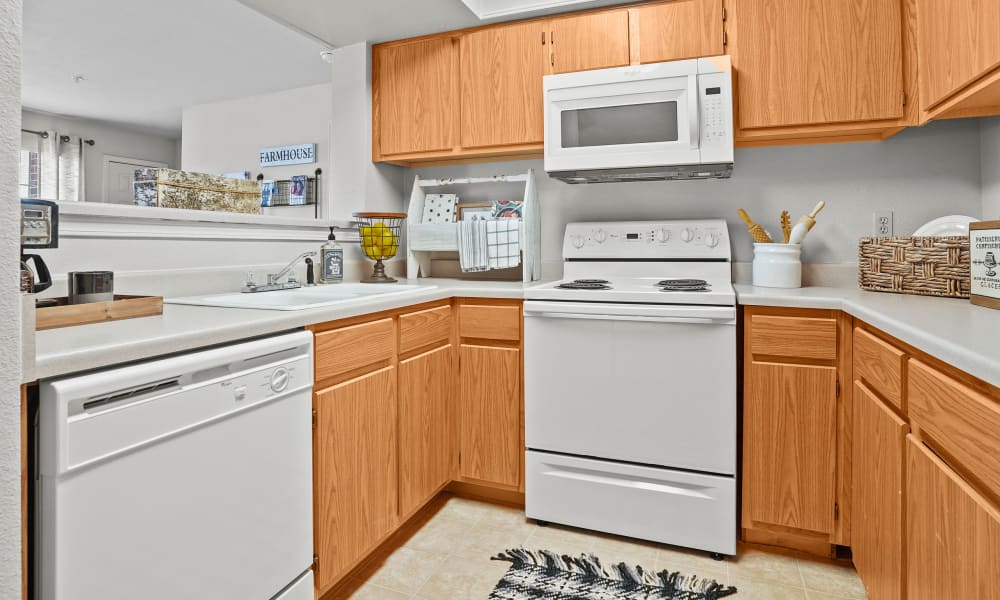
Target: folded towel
column 487, row 245
column 472, row 252
column 503, row 244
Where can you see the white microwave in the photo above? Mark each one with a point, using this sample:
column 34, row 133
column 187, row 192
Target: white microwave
column 671, row 120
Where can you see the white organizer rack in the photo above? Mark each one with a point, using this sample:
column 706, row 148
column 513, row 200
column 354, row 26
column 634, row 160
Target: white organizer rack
column 423, row 239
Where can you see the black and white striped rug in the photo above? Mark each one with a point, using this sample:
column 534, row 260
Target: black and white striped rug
column 545, row 575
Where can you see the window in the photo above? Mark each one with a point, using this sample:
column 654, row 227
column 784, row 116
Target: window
column 29, row 175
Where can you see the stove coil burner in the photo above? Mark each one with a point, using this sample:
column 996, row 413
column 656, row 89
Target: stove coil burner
column 585, row 284
column 684, row 285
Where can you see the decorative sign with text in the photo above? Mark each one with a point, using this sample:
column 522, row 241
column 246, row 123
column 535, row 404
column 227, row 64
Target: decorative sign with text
column 298, row 154
column 984, row 246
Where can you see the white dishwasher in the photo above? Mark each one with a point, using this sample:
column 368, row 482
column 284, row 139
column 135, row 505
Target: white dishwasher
column 183, row 477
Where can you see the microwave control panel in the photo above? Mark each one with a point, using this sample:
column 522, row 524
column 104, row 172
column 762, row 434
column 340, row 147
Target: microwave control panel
column 715, row 93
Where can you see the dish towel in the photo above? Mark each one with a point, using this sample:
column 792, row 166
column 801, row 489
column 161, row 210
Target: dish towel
column 489, row 244
column 503, row 243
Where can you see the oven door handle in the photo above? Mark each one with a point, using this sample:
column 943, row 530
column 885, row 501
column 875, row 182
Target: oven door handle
column 711, row 315
column 637, row 318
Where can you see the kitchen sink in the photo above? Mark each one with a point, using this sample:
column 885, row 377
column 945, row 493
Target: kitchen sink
column 301, row 298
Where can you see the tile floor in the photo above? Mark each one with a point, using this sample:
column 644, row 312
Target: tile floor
column 449, row 559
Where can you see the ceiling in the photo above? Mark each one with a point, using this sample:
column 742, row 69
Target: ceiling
column 145, row 60
column 342, row 23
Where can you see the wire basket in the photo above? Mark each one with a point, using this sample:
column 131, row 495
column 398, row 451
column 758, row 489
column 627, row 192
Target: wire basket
column 380, row 233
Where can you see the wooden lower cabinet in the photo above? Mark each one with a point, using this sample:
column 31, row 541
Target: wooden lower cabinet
column 790, row 450
column 490, row 406
column 355, row 471
column 877, row 532
column 952, row 533
column 426, row 397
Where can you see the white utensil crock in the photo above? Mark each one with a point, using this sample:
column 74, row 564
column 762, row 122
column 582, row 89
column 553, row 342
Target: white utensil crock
column 777, row 265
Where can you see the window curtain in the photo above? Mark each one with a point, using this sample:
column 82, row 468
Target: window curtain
column 63, row 164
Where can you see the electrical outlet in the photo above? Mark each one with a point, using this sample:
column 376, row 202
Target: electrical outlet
column 882, row 223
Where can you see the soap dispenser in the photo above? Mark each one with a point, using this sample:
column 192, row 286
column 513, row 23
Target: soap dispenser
column 331, row 260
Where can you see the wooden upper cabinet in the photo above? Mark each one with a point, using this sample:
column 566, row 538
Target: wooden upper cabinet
column 817, row 62
column 959, row 44
column 677, row 30
column 415, row 93
column 501, row 74
column 952, row 533
column 589, row 41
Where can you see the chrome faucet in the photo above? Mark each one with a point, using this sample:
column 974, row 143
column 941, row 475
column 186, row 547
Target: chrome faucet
column 274, row 279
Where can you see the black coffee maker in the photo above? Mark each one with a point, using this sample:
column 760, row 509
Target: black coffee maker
column 39, row 229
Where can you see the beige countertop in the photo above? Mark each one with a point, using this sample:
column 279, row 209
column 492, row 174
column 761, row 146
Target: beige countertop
column 953, row 331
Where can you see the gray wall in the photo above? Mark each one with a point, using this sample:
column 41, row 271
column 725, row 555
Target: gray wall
column 10, row 302
column 110, row 140
column 919, row 174
column 990, row 157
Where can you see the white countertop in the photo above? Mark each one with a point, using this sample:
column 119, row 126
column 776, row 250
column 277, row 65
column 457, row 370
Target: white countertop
column 957, row 332
column 953, row 331
column 181, row 328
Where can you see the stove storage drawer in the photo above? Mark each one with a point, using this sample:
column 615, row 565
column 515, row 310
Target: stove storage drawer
column 682, row 508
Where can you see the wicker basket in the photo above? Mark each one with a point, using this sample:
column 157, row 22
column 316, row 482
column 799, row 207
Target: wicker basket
column 925, row 266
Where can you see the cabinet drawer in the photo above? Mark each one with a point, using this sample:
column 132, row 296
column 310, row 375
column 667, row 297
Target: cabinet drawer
column 961, row 420
column 491, row 322
column 350, row 348
column 795, row 337
column 880, row 365
column 423, row 328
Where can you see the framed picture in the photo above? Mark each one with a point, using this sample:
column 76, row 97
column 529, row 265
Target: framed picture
column 984, row 247
column 481, row 211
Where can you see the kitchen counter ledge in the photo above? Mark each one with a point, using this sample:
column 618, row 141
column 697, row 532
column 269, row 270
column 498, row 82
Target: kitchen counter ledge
column 184, row 328
column 954, row 331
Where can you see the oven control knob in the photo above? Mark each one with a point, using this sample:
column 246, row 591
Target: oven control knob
column 577, row 241
column 711, row 240
column 662, row 235
column 600, row 236
column 279, row 379
column 687, row 235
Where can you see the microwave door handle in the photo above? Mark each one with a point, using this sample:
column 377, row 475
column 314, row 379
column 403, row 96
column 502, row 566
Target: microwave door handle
column 693, row 120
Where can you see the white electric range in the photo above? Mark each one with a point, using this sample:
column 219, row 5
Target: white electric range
column 630, row 384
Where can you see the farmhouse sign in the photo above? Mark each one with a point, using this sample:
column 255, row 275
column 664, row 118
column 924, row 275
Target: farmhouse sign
column 288, row 155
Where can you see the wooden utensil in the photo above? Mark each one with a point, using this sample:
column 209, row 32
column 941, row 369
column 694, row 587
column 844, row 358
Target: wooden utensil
column 786, row 226
column 805, row 224
column 756, row 231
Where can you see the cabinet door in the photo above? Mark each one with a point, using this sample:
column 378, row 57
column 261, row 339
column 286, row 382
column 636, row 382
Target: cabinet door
column 426, row 384
column 952, row 533
column 789, row 439
column 957, row 43
column 590, row 41
column 877, row 528
column 355, row 464
column 678, row 30
column 810, row 62
column 414, row 91
column 491, row 446
column 502, row 69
